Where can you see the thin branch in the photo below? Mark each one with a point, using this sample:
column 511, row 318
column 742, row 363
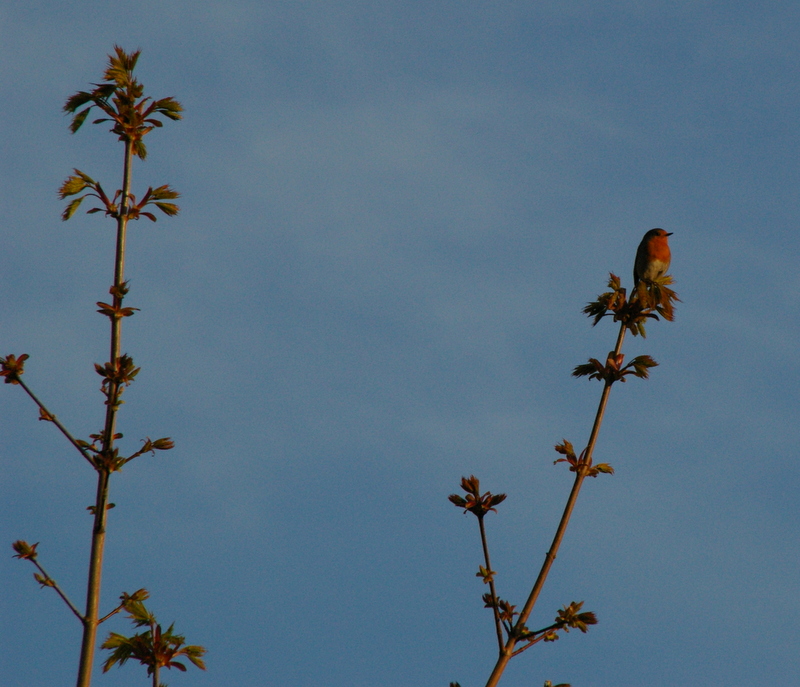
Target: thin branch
column 156, row 665
column 101, row 500
column 52, row 583
column 52, row 418
column 497, row 622
column 530, row 643
column 508, row 651
column 112, row 614
column 534, row 640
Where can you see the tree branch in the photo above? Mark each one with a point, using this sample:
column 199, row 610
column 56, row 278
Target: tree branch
column 508, row 650
column 50, row 582
column 52, row 418
column 497, row 623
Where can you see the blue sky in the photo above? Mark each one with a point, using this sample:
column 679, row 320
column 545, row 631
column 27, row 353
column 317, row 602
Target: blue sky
column 392, row 215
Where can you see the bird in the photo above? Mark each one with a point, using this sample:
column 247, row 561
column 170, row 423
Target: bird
column 652, row 256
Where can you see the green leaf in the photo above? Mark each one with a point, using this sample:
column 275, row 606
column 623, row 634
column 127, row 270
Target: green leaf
column 71, row 208
column 77, row 100
column 565, row 448
column 193, row 653
column 84, row 176
column 78, row 120
column 24, row 550
column 163, row 444
column 71, row 186
column 169, row 108
column 139, row 149
column 594, row 368
column 169, row 209
column 639, row 366
column 75, row 184
column 164, row 192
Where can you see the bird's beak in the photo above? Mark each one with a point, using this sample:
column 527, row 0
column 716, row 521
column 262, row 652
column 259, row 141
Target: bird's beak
column 669, row 233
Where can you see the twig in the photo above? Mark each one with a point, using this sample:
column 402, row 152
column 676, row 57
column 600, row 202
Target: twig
column 497, row 623
column 52, row 583
column 52, row 418
column 507, row 651
column 533, row 640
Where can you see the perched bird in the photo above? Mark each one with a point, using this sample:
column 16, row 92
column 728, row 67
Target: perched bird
column 652, row 256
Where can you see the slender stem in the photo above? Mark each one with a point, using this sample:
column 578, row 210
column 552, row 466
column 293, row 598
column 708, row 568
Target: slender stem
column 497, row 624
column 620, row 338
column 508, row 650
column 601, row 409
column 542, row 634
column 527, row 646
column 52, row 583
column 103, row 472
column 110, row 615
column 90, row 621
column 155, row 653
column 119, row 263
column 56, row 422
